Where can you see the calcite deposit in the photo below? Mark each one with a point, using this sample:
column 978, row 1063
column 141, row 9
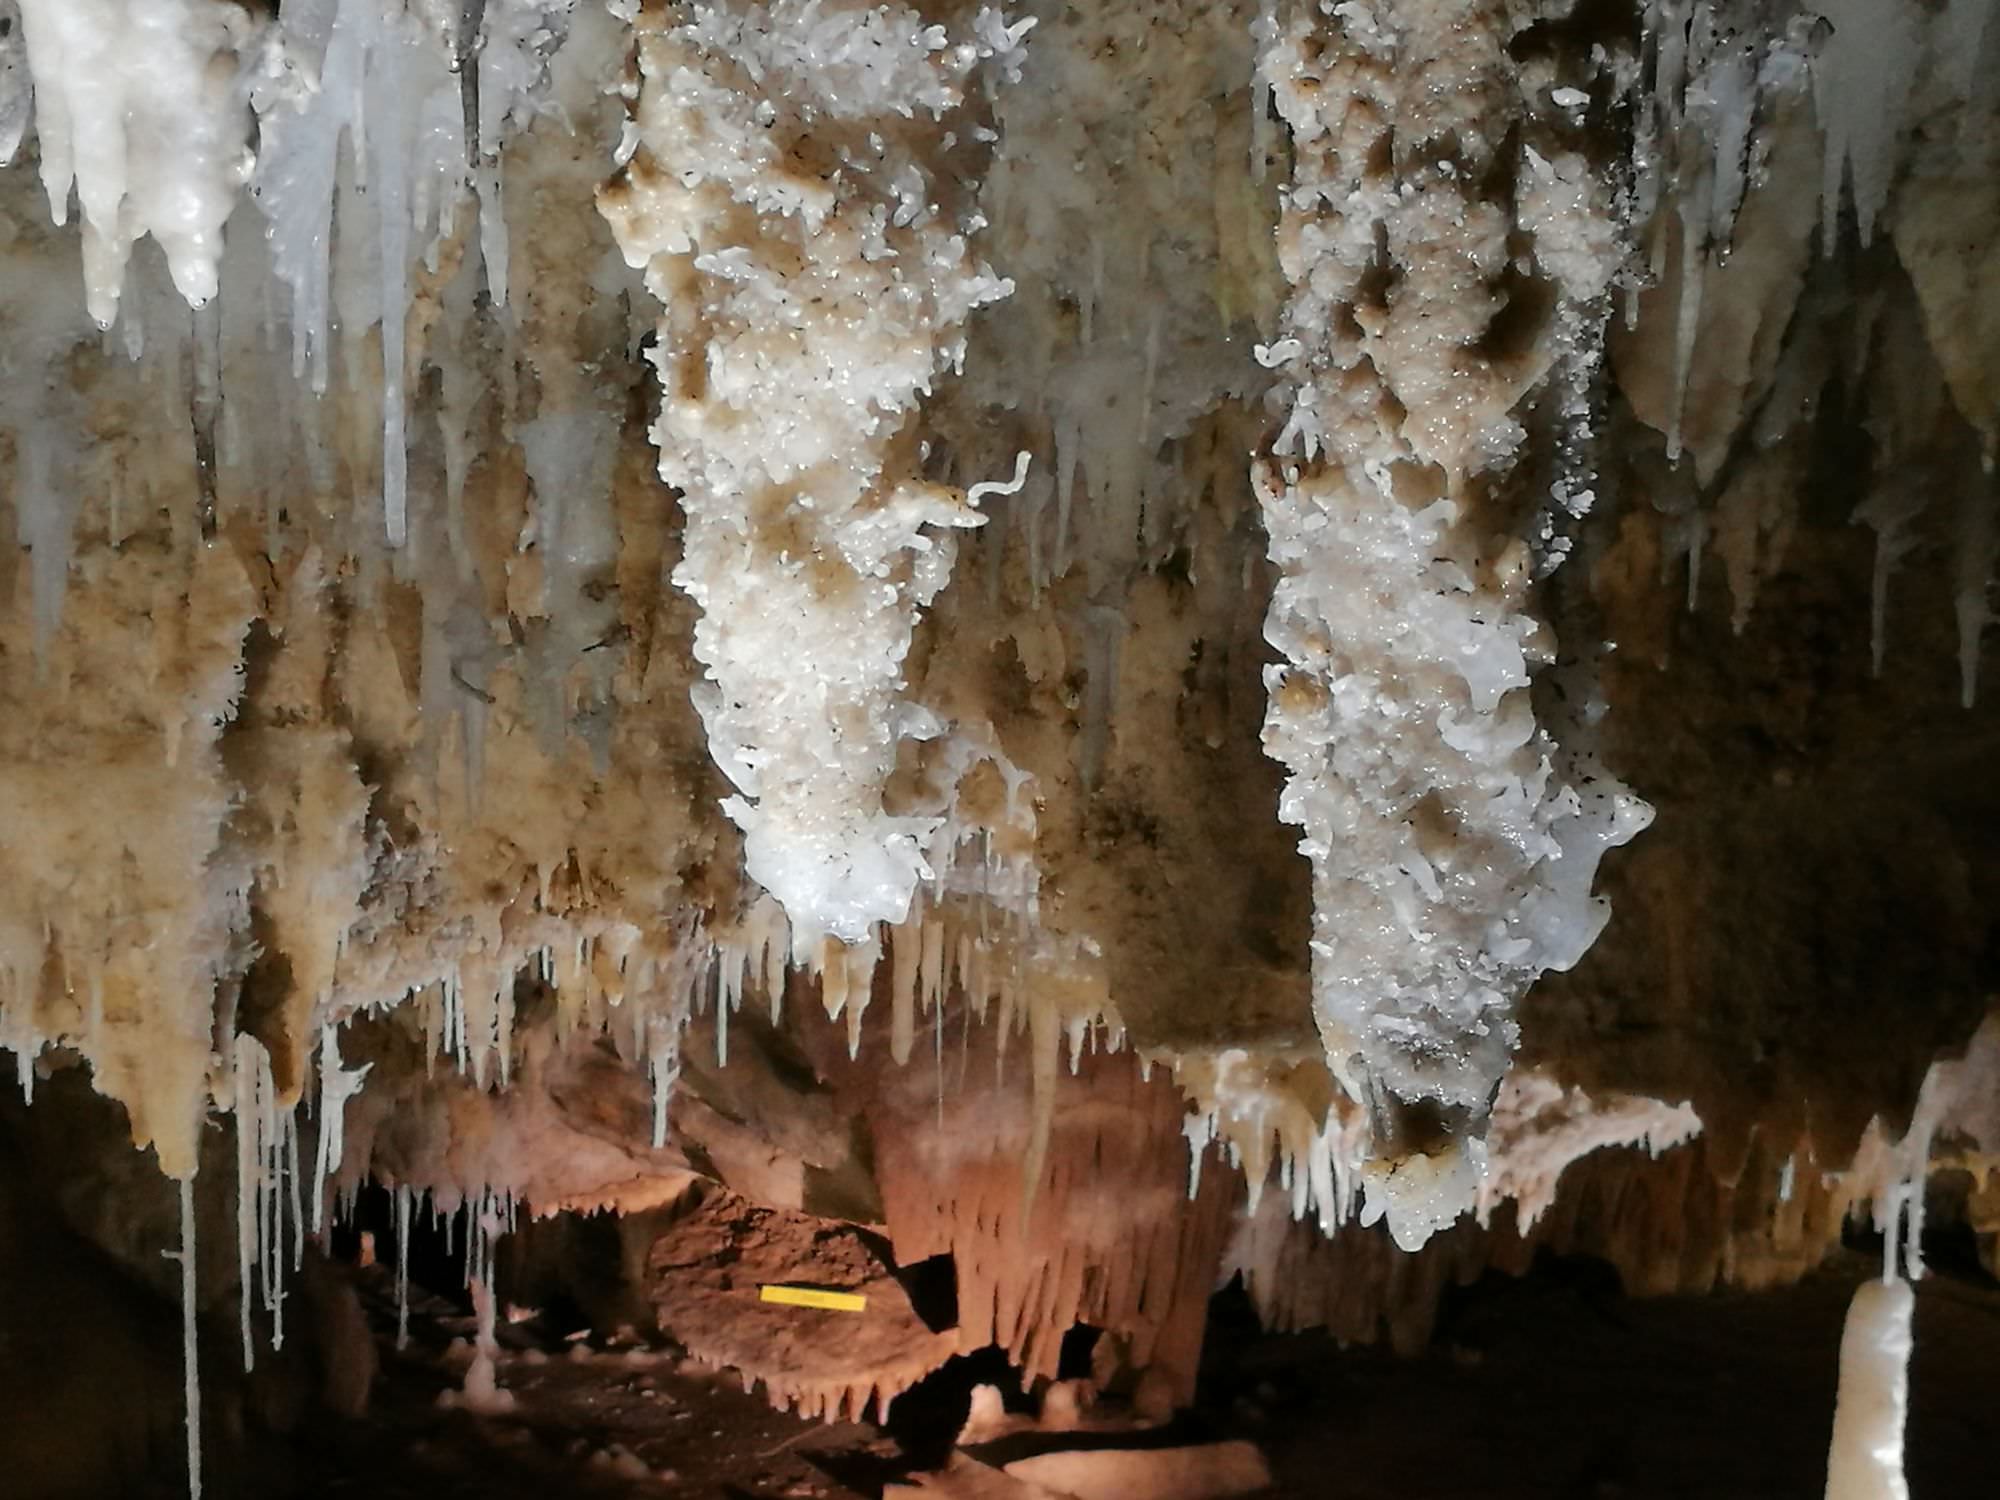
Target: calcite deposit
column 1029, row 634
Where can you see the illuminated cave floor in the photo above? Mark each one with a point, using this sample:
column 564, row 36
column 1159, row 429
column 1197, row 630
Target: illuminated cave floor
column 1550, row 1388
column 591, row 1418
column 1553, row 1387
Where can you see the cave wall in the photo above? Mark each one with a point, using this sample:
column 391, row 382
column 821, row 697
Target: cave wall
column 495, row 608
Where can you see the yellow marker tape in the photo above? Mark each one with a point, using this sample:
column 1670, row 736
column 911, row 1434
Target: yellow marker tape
column 806, row 1296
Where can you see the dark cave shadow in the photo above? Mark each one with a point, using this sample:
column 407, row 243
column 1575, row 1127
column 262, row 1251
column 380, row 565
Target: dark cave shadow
column 864, row 1473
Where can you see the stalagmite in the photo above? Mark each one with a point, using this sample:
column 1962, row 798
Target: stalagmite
column 1865, row 1460
column 1206, row 1473
column 481, row 1392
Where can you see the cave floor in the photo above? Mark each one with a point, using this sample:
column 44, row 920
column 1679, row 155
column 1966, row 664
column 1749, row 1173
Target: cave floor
column 1551, row 1387
column 589, row 1420
column 1556, row 1387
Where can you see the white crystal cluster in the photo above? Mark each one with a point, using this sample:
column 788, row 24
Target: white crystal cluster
column 796, row 197
column 1452, row 858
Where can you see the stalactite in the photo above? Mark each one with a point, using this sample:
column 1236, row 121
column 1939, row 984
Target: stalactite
column 361, row 690
column 131, row 111
column 1672, row 1219
column 1402, row 606
column 1103, row 1233
column 190, row 1340
column 814, row 538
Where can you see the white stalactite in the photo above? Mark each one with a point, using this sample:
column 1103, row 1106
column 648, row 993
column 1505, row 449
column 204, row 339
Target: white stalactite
column 337, row 1085
column 190, row 1341
column 807, row 315
column 800, row 187
column 132, row 112
column 1452, row 851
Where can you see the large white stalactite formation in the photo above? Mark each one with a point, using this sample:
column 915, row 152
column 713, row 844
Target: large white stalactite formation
column 1161, row 541
column 800, row 201
column 1452, row 858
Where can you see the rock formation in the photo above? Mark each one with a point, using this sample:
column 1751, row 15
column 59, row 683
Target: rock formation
column 1025, row 634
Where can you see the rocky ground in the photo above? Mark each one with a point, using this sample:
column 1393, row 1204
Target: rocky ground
column 1563, row 1391
column 1552, row 1387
